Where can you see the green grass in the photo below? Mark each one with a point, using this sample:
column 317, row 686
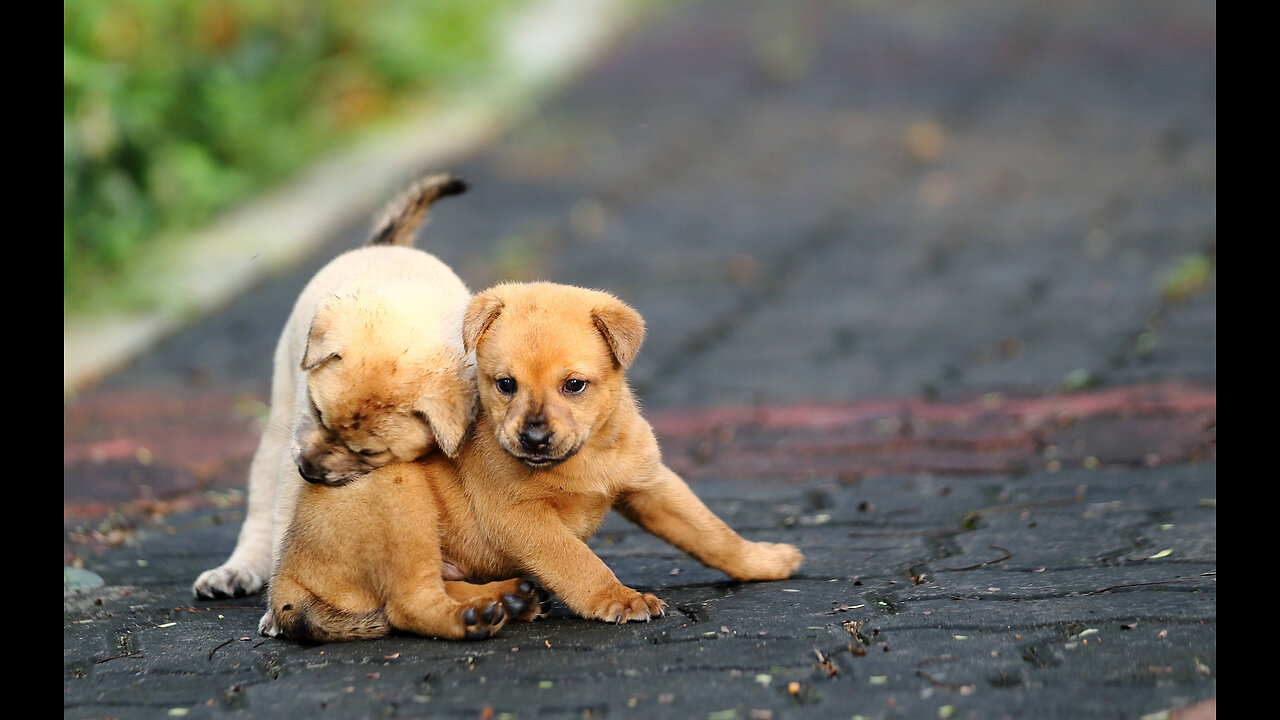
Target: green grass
column 174, row 110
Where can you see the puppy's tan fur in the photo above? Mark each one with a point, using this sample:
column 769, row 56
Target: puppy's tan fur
column 369, row 370
column 558, row 440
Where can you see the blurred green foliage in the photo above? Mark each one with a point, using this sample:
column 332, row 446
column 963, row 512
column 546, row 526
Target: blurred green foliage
column 173, row 110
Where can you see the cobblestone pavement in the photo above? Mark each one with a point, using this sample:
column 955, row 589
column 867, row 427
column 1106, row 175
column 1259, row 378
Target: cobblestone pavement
column 930, row 294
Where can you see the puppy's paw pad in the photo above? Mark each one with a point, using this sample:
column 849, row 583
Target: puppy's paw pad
column 225, row 582
column 524, row 603
column 483, row 619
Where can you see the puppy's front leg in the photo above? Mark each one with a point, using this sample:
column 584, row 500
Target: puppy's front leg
column 247, row 570
column 669, row 509
column 564, row 565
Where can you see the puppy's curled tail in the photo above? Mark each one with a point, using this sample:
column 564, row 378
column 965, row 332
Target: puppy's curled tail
column 402, row 217
column 306, row 617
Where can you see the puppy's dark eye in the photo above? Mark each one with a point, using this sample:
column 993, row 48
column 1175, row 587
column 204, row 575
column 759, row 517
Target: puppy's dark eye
column 506, row 385
column 573, row 386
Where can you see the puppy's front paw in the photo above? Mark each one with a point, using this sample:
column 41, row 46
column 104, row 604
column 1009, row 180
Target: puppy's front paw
column 267, row 625
column 767, row 561
column 623, row 604
column 227, row 581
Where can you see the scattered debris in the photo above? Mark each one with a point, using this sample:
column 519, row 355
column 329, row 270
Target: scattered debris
column 690, row 612
column 1127, row 585
column 211, row 652
column 825, row 663
column 844, row 608
column 133, row 655
column 1006, row 556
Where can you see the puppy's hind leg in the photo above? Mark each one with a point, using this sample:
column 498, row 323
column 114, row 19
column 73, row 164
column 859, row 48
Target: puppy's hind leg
column 401, row 518
column 300, row 614
column 422, row 602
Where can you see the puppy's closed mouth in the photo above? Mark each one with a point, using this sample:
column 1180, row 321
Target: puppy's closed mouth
column 539, row 462
column 542, row 462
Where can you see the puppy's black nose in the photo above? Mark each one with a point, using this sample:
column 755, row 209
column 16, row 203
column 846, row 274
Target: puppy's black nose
column 535, row 437
column 310, row 472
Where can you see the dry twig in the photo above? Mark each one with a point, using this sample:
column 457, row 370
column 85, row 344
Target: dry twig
column 1007, row 555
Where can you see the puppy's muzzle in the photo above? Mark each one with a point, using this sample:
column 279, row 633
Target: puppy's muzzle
column 314, row 474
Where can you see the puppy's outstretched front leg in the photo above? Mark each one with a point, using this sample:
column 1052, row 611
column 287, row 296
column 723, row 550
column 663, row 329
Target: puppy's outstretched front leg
column 564, row 565
column 669, row 509
column 249, row 566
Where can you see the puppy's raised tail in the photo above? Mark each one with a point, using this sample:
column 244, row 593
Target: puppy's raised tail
column 401, row 218
column 305, row 617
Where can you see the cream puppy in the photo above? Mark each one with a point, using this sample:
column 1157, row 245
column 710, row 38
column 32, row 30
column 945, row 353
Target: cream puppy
column 370, row 369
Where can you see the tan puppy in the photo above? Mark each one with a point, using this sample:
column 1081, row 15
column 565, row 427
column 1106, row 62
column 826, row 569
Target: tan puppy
column 363, row 558
column 559, row 440
column 369, row 370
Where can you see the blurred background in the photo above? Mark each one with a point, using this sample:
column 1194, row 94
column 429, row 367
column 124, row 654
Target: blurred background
column 175, row 111
column 948, row 198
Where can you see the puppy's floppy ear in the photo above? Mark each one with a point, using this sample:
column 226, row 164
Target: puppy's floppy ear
column 449, row 407
column 622, row 328
column 481, row 312
column 323, row 343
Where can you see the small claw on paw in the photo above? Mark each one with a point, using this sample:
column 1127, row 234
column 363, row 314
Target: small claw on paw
column 493, row 612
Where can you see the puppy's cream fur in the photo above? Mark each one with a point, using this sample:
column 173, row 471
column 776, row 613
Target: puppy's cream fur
column 559, row 439
column 370, row 369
